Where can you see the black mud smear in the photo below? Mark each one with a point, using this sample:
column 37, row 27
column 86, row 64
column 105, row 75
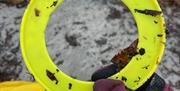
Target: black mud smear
column 124, row 78
column 51, row 76
column 70, row 86
column 54, row 3
column 148, row 12
column 142, row 51
column 37, row 12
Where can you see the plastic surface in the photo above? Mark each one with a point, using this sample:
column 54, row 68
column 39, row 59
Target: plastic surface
column 151, row 32
column 20, row 86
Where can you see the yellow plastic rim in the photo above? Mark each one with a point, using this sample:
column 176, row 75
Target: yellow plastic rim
column 20, row 86
column 151, row 32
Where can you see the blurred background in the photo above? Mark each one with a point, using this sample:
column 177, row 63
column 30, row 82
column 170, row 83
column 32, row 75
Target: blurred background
column 83, row 35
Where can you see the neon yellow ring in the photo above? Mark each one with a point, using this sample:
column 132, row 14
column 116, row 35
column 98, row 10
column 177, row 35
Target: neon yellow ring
column 32, row 37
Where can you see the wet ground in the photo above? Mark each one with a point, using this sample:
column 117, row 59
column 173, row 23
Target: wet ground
column 83, row 35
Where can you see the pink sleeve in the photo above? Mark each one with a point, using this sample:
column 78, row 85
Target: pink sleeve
column 167, row 88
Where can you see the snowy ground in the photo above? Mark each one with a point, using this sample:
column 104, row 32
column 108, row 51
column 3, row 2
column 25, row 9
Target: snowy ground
column 82, row 36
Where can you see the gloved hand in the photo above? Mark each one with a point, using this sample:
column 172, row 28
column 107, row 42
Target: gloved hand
column 103, row 84
column 105, row 72
column 109, row 85
column 154, row 83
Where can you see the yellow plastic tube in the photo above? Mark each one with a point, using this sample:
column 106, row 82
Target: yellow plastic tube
column 151, row 33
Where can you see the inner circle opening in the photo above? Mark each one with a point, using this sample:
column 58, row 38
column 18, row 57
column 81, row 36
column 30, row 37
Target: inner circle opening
column 83, row 35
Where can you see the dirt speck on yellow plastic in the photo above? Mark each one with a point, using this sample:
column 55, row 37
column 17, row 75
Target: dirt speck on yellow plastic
column 20, row 86
column 141, row 67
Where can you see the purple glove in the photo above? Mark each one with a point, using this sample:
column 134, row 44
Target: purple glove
column 109, row 85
